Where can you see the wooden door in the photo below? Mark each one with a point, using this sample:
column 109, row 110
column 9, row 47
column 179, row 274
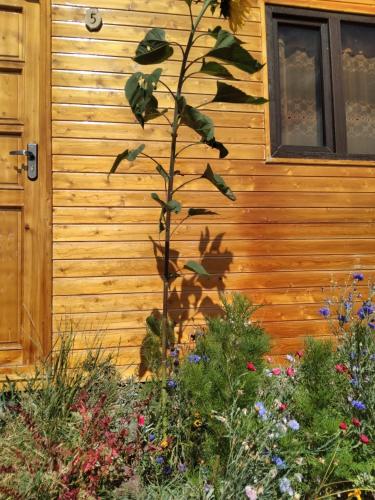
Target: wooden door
column 23, row 203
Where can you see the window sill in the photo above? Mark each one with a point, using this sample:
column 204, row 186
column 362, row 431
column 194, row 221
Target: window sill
column 319, row 161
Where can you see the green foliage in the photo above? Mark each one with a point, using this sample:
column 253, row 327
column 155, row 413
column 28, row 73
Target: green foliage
column 196, row 268
column 215, row 69
column 129, row 155
column 154, row 48
column 218, row 182
column 228, row 93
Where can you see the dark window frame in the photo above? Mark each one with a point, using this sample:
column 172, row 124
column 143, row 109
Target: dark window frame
column 334, row 118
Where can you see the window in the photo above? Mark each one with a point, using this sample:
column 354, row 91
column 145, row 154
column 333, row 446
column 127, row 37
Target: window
column 322, row 84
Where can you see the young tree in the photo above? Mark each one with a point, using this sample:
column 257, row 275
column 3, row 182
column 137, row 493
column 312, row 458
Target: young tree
column 141, row 93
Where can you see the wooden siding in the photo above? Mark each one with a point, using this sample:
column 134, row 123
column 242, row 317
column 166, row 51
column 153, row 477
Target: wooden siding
column 296, row 225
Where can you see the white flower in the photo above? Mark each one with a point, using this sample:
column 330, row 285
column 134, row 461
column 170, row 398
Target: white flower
column 251, row 493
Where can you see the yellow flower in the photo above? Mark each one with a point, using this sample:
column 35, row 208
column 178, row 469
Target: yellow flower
column 355, row 494
column 164, row 443
column 237, row 11
column 197, row 423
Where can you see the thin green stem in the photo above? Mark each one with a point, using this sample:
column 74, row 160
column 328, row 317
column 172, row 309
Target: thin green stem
column 186, row 147
column 168, row 88
column 150, row 157
column 194, row 61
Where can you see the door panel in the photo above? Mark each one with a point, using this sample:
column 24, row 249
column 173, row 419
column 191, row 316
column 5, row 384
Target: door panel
column 21, row 201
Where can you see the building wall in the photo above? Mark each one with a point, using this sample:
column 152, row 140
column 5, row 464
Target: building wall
column 295, row 226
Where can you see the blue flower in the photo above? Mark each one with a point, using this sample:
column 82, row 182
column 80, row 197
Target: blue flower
column 294, row 425
column 167, row 470
column 285, row 486
column 279, row 462
column 358, row 405
column 342, row 318
column 358, row 276
column 348, row 305
column 159, row 460
column 324, row 311
column 261, row 410
column 194, row 358
column 371, row 324
column 151, row 437
column 182, row 468
column 366, row 309
column 174, row 353
column 172, row 384
column 354, row 382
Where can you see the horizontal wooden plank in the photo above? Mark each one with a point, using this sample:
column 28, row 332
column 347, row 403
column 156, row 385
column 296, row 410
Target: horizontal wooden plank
column 97, row 164
column 81, row 250
column 160, row 149
column 65, row 213
column 136, row 267
column 11, row 197
column 108, row 97
column 224, row 281
column 128, row 17
column 250, row 199
column 193, row 232
column 137, row 33
column 124, row 115
column 97, row 130
column 237, row 182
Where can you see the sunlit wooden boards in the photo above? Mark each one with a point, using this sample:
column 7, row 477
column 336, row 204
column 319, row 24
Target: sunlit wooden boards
column 296, row 227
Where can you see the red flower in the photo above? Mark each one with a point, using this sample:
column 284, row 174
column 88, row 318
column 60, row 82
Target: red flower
column 356, row 422
column 251, row 367
column 364, row 439
column 299, row 354
column 343, row 426
column 276, row 371
column 341, row 368
column 290, row 371
column 141, row 420
column 283, row 406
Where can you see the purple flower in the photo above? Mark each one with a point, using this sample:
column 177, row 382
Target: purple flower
column 294, row 425
column 371, row 324
column 358, row 405
column 182, row 468
column 354, row 382
column 194, row 358
column 358, row 276
column 167, row 470
column 261, row 410
column 325, row 312
column 174, row 353
column 159, row 460
column 151, row 437
column 366, row 309
column 279, row 462
column 172, row 384
column 342, row 318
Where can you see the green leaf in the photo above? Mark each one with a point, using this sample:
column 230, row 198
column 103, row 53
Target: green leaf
column 228, row 49
column 154, row 48
column 162, row 172
column 213, row 143
column 216, row 31
column 200, row 211
column 174, row 206
column 126, row 155
column 228, row 93
column 155, row 197
column 218, row 182
column 139, row 90
column 199, row 122
column 215, row 69
column 196, row 268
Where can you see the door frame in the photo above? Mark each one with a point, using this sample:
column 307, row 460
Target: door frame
column 44, row 259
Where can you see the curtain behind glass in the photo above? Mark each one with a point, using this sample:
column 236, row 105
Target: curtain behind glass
column 300, row 85
column 358, row 60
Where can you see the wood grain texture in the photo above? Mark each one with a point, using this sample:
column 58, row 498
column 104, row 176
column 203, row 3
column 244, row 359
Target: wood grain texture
column 297, row 225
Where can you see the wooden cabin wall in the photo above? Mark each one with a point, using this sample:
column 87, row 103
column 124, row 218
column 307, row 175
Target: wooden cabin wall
column 294, row 227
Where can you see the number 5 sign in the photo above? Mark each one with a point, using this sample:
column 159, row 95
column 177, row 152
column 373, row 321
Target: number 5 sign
column 93, row 20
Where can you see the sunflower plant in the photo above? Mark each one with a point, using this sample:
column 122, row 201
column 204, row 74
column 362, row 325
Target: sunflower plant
column 141, row 93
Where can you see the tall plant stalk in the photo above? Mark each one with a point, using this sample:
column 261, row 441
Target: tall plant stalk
column 140, row 90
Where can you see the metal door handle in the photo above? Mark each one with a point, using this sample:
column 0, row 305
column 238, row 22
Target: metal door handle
column 32, row 160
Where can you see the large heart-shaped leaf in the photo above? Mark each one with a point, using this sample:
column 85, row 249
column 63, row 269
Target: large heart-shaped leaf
column 199, row 122
column 228, row 93
column 196, row 268
column 129, row 155
column 215, row 69
column 228, row 49
column 218, row 182
column 139, row 92
column 154, row 48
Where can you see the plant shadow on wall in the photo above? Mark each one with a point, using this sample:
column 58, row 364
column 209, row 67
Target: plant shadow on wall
column 188, row 298
column 142, row 93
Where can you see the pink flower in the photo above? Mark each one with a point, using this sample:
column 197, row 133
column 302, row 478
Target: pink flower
column 364, row 439
column 141, row 420
column 251, row 493
column 276, row 371
column 299, row 354
column 268, row 359
column 251, row 367
column 356, row 422
column 341, row 368
column 290, row 371
column 283, row 406
column 343, row 426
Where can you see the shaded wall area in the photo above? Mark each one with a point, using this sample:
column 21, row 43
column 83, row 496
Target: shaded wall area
column 294, row 227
